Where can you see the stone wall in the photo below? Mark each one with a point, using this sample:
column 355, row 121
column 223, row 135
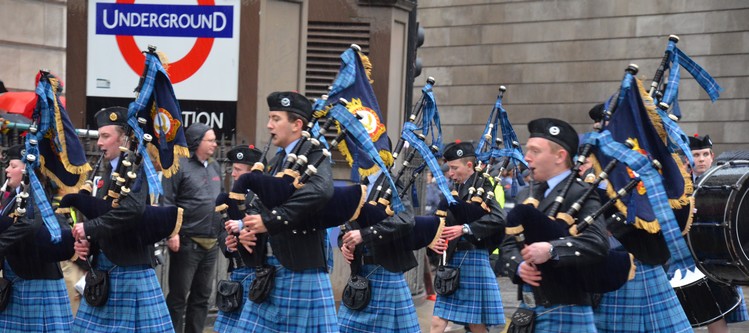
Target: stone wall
column 32, row 37
column 559, row 58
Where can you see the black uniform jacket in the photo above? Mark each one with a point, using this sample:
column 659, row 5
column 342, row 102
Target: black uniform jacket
column 299, row 245
column 486, row 231
column 385, row 241
column 572, row 253
column 27, row 245
column 113, row 232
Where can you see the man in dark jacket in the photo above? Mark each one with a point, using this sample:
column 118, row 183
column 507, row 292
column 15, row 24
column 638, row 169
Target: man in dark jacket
column 559, row 302
column 302, row 298
column 136, row 301
column 193, row 252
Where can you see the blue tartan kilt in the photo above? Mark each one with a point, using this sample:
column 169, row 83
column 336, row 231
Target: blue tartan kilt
column 646, row 303
column 477, row 300
column 738, row 314
column 227, row 321
column 562, row 318
column 391, row 308
column 299, row 302
column 136, row 303
column 36, row 305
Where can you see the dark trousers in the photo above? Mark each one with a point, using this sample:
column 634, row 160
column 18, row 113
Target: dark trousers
column 190, row 284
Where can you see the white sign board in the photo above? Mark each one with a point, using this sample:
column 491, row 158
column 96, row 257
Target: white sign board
column 200, row 39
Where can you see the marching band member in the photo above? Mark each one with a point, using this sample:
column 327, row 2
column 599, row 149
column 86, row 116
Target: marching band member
column 647, row 303
column 560, row 305
column 242, row 159
column 135, row 302
column 38, row 298
column 301, row 299
column 385, row 258
column 477, row 301
column 193, row 251
column 703, row 155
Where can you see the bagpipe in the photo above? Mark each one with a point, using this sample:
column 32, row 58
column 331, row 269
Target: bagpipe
column 274, row 190
column 423, row 118
column 153, row 223
column 529, row 225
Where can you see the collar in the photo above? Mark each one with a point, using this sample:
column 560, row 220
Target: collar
column 554, row 181
column 372, row 180
column 291, row 146
column 113, row 163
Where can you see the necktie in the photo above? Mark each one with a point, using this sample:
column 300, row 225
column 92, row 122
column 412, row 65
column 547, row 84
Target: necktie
column 280, row 159
column 540, row 190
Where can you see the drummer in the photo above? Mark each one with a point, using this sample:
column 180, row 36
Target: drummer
column 703, row 155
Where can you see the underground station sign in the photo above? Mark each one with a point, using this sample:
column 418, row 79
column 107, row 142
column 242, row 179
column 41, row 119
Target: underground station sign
column 200, row 39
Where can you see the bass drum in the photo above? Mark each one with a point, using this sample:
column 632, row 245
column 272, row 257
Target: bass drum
column 704, row 301
column 719, row 237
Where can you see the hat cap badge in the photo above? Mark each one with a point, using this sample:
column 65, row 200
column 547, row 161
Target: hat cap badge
column 553, row 130
column 113, row 116
column 285, row 101
column 459, row 152
column 240, row 156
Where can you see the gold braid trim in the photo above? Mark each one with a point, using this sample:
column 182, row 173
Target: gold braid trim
column 221, row 208
column 632, row 268
column 74, row 169
column 178, row 225
column 367, row 66
column 51, row 176
column 690, row 219
column 179, row 152
column 237, row 196
column 362, row 199
column 514, row 230
column 438, row 235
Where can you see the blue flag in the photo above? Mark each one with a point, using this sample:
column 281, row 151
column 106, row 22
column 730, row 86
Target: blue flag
column 58, row 153
column 158, row 105
column 63, row 157
column 636, row 119
column 354, row 85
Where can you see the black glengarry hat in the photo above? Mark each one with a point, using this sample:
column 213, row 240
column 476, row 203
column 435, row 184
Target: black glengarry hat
column 291, row 102
column 244, row 155
column 114, row 115
column 697, row 142
column 596, row 113
column 14, row 152
column 557, row 131
column 457, row 149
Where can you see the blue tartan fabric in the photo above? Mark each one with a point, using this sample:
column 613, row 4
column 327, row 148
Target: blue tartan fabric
column 36, row 305
column 646, row 303
column 136, row 303
column 477, row 300
column 300, row 302
column 740, row 313
column 563, row 318
column 227, row 321
column 391, row 308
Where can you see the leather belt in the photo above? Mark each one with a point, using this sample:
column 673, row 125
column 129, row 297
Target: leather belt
column 465, row 246
column 368, row 260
